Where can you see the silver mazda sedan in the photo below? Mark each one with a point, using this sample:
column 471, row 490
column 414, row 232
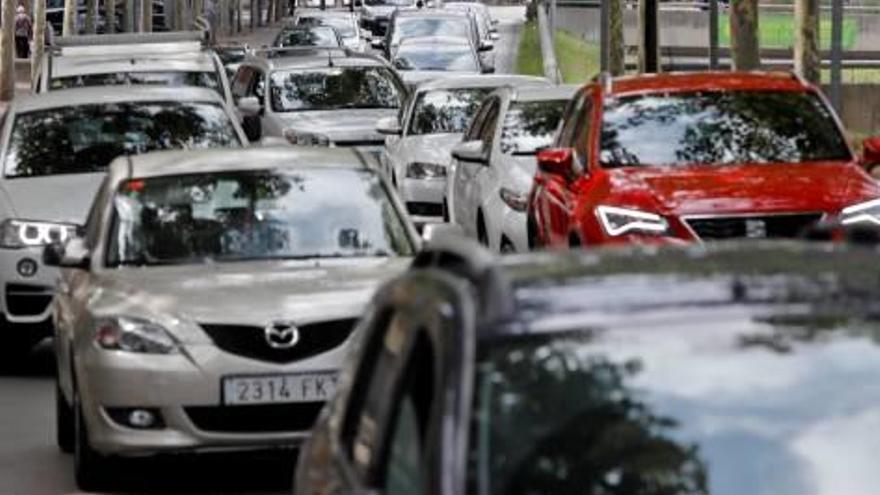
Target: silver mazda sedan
column 209, row 304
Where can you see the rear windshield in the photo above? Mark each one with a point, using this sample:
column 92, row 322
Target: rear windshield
column 446, row 110
column 720, row 128
column 314, row 36
column 452, row 58
column 86, row 138
column 343, row 25
column 158, row 78
column 335, row 88
column 431, row 27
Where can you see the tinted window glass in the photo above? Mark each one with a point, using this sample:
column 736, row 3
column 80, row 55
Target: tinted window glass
column 530, row 126
column 446, row 110
column 432, row 57
column 719, row 128
column 343, row 25
column 334, row 88
column 86, row 138
column 235, row 216
column 164, row 78
column 316, row 36
column 422, row 27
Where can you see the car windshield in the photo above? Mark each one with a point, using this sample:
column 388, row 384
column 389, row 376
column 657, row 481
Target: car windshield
column 343, row 25
column 154, row 78
column 709, row 398
column 451, row 58
column 313, row 36
column 719, row 128
column 86, row 138
column 422, row 27
column 334, row 88
column 446, row 110
column 530, row 126
column 248, row 215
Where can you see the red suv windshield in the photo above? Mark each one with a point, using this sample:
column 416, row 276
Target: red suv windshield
column 719, row 128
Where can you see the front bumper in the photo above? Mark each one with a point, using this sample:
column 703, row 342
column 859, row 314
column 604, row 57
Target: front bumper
column 25, row 299
column 186, row 389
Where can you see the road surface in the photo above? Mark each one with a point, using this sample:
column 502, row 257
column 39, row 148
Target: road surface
column 30, row 464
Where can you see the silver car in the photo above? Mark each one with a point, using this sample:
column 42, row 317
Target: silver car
column 209, row 304
column 55, row 149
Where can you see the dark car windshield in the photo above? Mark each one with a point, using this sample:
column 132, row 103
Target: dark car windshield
column 343, row 25
column 707, row 398
column 86, row 138
column 720, row 128
column 446, row 110
column 323, row 36
column 246, row 215
column 451, row 58
column 530, row 126
column 430, row 27
column 199, row 79
column 334, row 88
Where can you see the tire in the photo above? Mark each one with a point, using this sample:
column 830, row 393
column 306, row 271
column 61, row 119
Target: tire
column 89, row 467
column 64, row 423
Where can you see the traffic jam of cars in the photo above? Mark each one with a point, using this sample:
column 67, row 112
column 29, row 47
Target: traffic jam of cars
column 366, row 249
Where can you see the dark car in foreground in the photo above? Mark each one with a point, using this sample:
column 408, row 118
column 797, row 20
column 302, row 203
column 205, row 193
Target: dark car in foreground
column 694, row 157
column 719, row 370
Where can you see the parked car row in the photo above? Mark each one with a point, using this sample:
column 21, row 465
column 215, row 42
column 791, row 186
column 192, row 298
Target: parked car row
column 240, row 262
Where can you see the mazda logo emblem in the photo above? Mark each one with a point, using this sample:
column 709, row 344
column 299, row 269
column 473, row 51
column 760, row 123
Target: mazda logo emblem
column 281, row 334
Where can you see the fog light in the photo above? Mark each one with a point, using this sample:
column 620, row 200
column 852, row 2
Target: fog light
column 140, row 418
column 27, row 268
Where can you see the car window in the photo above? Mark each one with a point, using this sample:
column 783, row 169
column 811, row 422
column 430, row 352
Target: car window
column 487, row 129
column 405, row 469
column 323, row 36
column 93, row 220
column 258, row 88
column 476, row 125
column 570, row 119
column 254, row 215
column 530, row 126
column 343, row 25
column 201, row 79
column 242, row 81
column 450, row 58
column 582, row 132
column 86, row 138
column 444, row 111
column 430, row 27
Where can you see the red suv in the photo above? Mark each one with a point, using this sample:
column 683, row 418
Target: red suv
column 691, row 157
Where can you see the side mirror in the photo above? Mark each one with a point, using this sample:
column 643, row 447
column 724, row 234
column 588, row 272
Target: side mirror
column 556, row 162
column 389, row 127
column 494, row 36
column 486, row 46
column 471, row 152
column 72, row 254
column 250, row 106
column 433, row 231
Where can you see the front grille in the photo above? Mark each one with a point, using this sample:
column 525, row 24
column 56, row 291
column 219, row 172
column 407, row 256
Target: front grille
column 358, row 144
column 27, row 300
column 251, row 342
column 423, row 209
column 255, row 419
column 755, row 227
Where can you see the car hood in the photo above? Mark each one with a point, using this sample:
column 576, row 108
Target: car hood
column 430, row 148
column 246, row 293
column 55, row 198
column 339, row 125
column 826, row 186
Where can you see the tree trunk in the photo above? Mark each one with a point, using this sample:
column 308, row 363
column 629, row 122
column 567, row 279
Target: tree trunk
column 39, row 37
column 7, row 51
column 279, row 10
column 179, row 15
column 110, row 16
column 147, row 16
column 270, row 12
column 807, row 60
column 744, row 35
column 198, row 9
column 255, row 14
column 128, row 17
column 91, row 16
column 616, row 45
column 68, row 27
column 649, row 37
column 223, row 6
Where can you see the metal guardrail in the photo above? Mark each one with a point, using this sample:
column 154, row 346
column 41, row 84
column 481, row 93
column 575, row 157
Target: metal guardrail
column 771, row 58
column 548, row 55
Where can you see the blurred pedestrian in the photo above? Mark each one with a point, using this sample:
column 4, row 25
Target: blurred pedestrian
column 24, row 30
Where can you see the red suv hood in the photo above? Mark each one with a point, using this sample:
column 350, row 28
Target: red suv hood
column 824, row 187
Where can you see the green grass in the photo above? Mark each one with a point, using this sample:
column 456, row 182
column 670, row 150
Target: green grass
column 578, row 60
column 777, row 31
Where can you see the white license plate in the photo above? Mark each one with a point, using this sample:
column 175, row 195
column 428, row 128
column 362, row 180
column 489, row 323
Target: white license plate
column 279, row 389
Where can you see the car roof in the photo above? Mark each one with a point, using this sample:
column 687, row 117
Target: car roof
column 481, row 81
column 200, row 61
column 540, row 93
column 217, row 160
column 312, row 58
column 111, row 94
column 706, row 81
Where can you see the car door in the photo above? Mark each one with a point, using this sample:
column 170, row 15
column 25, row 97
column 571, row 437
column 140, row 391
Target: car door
column 471, row 173
column 457, row 203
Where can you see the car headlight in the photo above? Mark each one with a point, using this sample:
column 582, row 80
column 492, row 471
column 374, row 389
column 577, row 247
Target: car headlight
column 867, row 212
column 619, row 221
column 422, row 170
column 124, row 333
column 306, row 138
column 26, row 233
column 516, row 201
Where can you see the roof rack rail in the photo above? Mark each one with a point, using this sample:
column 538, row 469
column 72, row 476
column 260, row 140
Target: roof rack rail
column 466, row 258
column 131, row 39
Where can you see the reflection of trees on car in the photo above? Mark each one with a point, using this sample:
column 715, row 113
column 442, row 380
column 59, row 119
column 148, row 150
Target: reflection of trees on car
column 86, row 138
column 553, row 419
column 334, row 88
column 529, row 126
column 446, row 111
